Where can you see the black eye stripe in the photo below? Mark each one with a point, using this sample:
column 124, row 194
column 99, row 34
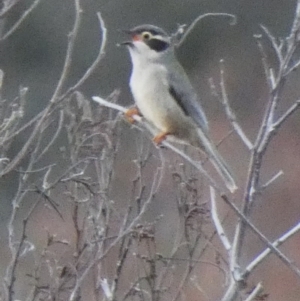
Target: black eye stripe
column 157, row 45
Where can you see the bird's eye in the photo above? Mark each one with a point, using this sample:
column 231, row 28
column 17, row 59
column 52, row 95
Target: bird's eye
column 146, row 35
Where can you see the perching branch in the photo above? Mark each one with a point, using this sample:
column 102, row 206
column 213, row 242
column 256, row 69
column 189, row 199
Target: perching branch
column 165, row 143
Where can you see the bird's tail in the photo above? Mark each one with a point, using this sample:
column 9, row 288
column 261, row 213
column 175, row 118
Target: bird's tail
column 217, row 161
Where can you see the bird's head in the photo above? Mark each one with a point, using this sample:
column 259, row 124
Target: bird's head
column 148, row 42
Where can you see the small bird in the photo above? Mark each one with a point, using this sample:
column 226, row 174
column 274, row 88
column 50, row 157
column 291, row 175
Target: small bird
column 165, row 97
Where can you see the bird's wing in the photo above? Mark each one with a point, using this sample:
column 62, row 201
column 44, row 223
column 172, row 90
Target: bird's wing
column 184, row 94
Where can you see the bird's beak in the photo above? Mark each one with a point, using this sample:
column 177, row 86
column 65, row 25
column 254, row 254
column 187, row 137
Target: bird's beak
column 126, row 43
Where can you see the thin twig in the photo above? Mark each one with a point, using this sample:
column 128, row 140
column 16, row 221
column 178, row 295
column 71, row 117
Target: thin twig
column 69, row 55
column 252, row 265
column 262, row 237
column 157, row 180
column 57, row 98
column 257, row 290
column 86, row 75
column 20, row 20
column 23, row 127
column 274, row 43
column 286, row 115
column 96, row 62
column 16, row 160
column 220, row 230
column 199, row 18
column 54, row 136
column 272, row 180
column 7, row 6
column 296, row 23
column 269, row 74
column 229, row 112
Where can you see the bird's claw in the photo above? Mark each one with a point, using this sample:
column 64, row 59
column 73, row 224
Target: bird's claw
column 130, row 113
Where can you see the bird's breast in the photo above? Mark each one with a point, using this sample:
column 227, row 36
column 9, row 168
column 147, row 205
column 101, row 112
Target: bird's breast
column 150, row 90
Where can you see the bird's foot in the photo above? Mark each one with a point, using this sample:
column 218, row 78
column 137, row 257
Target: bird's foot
column 158, row 139
column 131, row 112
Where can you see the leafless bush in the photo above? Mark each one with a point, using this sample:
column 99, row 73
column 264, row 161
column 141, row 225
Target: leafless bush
column 112, row 249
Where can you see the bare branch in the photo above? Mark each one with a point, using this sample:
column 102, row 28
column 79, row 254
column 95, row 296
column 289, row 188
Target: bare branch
column 111, row 225
column 257, row 290
column 165, row 143
column 7, row 6
column 268, row 128
column 277, row 124
column 251, row 266
column 277, row 48
column 70, row 49
column 56, row 93
column 220, row 230
column 157, row 179
column 273, row 179
column 55, row 135
column 180, row 37
column 56, row 98
column 274, row 249
column 296, row 23
column 20, row 20
column 114, row 106
column 229, row 112
column 269, row 72
column 92, row 68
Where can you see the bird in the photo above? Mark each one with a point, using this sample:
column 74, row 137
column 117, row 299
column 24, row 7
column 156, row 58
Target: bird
column 164, row 95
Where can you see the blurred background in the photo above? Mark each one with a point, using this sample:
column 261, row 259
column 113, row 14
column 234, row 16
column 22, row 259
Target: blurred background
column 34, row 55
